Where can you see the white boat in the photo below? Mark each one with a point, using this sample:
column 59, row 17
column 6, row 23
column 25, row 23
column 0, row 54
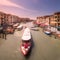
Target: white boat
column 20, row 27
column 26, row 42
column 47, row 32
column 15, row 25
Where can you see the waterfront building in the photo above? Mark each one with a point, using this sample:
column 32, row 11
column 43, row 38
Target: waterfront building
column 53, row 20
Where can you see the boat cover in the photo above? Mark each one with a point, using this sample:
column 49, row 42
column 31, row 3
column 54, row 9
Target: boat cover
column 26, row 35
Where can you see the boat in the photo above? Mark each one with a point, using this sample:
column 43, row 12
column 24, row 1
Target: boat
column 15, row 25
column 20, row 27
column 26, row 42
column 47, row 32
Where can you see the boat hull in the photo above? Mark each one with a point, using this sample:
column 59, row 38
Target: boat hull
column 48, row 33
column 24, row 50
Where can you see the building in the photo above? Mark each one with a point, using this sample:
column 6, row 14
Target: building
column 10, row 19
column 2, row 17
column 43, row 19
column 53, row 20
column 46, row 19
column 39, row 20
column 57, row 18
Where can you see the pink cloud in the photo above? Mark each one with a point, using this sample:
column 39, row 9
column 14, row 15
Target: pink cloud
column 9, row 3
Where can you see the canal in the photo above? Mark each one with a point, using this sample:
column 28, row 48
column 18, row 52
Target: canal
column 44, row 47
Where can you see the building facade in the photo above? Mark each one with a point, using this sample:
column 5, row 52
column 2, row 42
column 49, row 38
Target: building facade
column 9, row 18
column 53, row 20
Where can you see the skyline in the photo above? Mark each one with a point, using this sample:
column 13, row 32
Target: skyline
column 29, row 8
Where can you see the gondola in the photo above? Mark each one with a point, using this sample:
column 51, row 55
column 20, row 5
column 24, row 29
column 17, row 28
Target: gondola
column 26, row 42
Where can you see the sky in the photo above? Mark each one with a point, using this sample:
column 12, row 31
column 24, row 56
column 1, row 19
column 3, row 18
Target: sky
column 30, row 8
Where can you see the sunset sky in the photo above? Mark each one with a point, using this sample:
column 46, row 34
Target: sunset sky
column 30, row 8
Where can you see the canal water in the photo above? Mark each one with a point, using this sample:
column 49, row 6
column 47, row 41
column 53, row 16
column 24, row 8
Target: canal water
column 44, row 47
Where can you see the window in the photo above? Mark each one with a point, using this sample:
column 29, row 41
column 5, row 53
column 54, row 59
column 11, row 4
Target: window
column 58, row 20
column 55, row 16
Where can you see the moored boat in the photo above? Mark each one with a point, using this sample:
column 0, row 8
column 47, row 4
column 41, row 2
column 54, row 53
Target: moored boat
column 26, row 42
column 47, row 32
column 20, row 27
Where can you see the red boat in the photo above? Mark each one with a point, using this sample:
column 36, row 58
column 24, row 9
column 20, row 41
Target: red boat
column 26, row 42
